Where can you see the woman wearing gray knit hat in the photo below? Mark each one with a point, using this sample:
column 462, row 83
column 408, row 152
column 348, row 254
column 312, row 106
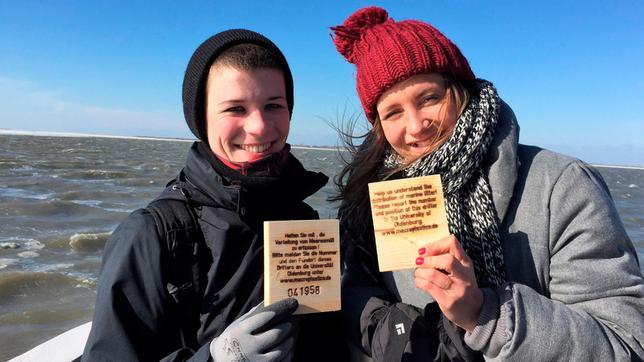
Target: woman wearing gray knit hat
column 183, row 278
column 538, row 265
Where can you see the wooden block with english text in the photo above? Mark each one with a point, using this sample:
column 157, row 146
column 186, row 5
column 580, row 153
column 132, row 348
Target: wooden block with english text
column 407, row 214
column 302, row 261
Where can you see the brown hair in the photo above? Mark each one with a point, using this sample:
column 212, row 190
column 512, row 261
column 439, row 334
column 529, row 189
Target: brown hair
column 247, row 57
column 366, row 160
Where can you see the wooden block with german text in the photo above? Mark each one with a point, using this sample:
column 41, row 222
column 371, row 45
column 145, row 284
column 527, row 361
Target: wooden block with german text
column 407, row 214
column 302, row 260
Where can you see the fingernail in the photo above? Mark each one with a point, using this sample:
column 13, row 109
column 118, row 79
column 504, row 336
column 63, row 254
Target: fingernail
column 421, row 251
column 420, row 261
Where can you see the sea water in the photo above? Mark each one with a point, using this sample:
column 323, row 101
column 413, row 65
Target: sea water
column 61, row 197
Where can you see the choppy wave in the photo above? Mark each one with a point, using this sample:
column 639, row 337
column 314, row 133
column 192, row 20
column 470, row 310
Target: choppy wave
column 635, row 220
column 10, row 162
column 27, row 249
column 81, row 241
column 20, row 243
column 49, row 208
column 23, row 169
column 5, row 262
column 88, row 241
column 28, row 254
column 32, row 244
column 10, row 192
column 96, row 174
column 60, row 267
column 17, row 285
column 105, row 206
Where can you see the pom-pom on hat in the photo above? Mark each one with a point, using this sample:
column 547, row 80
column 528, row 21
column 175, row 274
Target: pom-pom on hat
column 196, row 76
column 386, row 52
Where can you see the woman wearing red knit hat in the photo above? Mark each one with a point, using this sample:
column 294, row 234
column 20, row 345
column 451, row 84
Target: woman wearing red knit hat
column 538, row 266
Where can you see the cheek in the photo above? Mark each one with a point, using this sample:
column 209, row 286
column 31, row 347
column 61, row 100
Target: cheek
column 221, row 132
column 450, row 117
column 283, row 124
column 393, row 132
column 450, row 120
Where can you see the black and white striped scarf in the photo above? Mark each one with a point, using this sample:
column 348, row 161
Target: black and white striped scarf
column 471, row 214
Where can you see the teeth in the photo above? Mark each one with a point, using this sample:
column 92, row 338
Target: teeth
column 256, row 148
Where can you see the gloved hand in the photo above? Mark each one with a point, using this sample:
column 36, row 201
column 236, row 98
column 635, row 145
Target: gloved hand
column 265, row 333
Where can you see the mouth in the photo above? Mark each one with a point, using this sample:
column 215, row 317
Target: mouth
column 256, row 148
column 420, row 144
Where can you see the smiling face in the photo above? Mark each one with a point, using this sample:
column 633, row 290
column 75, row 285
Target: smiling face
column 247, row 114
column 417, row 115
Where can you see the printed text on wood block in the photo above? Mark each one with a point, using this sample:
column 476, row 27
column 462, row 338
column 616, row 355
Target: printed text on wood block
column 302, row 261
column 407, row 214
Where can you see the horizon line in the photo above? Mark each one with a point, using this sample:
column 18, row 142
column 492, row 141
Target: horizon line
column 5, row 131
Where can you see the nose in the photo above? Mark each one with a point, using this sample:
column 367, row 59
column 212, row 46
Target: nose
column 256, row 122
column 416, row 124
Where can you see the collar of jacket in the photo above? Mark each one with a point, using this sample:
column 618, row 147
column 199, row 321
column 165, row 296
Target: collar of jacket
column 501, row 162
column 215, row 184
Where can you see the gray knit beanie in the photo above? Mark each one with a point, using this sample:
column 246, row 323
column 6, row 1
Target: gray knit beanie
column 194, row 81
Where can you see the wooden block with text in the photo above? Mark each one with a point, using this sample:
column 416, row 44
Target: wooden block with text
column 302, row 260
column 407, row 214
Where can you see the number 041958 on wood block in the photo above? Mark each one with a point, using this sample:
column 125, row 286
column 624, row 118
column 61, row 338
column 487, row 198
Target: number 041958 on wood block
column 407, row 214
column 302, row 261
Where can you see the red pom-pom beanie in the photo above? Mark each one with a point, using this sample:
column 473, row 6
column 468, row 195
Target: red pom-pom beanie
column 386, row 52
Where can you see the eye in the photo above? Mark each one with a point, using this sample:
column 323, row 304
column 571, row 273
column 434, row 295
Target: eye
column 235, row 110
column 274, row 106
column 429, row 99
column 390, row 114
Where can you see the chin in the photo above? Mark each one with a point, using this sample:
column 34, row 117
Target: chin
column 250, row 156
column 415, row 152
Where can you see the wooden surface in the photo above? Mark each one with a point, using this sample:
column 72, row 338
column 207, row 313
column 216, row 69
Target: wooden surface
column 302, row 260
column 407, row 214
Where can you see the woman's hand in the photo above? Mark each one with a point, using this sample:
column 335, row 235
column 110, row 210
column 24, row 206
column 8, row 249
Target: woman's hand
column 447, row 273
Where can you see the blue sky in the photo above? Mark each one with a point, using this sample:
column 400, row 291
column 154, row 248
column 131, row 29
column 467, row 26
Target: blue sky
column 572, row 71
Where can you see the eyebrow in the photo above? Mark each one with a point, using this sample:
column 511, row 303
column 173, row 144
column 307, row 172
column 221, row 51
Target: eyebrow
column 430, row 88
column 242, row 100
column 387, row 108
column 231, row 101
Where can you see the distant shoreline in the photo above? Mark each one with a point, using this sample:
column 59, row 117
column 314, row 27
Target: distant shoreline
column 301, row 147
column 90, row 135
column 599, row 165
column 85, row 135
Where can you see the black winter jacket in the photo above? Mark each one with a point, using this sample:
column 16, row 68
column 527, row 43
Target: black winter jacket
column 134, row 318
